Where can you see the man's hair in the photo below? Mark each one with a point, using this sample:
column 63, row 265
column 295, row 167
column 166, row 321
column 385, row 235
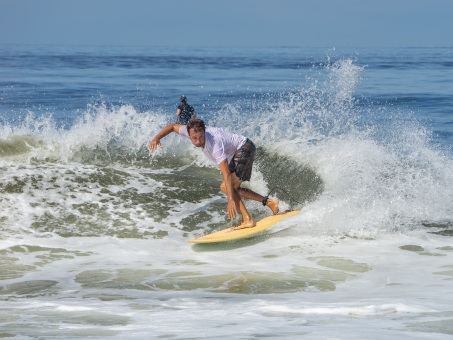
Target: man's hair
column 196, row 125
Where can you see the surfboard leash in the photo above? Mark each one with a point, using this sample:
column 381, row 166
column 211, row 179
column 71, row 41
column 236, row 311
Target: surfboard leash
column 274, row 189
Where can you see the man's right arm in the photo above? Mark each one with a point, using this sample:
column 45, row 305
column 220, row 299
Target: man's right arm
column 164, row 132
column 178, row 111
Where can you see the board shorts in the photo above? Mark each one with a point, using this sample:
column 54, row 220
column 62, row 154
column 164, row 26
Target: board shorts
column 242, row 162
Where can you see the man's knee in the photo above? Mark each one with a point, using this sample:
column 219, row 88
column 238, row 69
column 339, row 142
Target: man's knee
column 236, row 183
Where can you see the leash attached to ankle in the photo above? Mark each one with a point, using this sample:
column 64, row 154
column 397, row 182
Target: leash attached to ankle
column 264, row 201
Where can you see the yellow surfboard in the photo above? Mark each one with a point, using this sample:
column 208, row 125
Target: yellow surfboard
column 231, row 235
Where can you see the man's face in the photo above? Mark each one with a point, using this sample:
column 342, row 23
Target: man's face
column 197, row 138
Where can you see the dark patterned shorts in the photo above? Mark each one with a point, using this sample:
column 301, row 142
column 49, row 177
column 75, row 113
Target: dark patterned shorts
column 242, row 162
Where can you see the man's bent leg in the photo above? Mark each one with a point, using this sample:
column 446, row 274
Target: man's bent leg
column 252, row 195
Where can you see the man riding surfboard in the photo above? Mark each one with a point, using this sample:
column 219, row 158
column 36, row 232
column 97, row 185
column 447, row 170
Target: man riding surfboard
column 234, row 154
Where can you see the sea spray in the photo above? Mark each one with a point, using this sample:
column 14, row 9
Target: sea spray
column 93, row 239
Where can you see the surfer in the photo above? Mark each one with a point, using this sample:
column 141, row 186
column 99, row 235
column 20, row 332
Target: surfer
column 185, row 112
column 234, row 155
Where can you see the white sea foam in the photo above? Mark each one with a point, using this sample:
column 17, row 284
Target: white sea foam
column 94, row 228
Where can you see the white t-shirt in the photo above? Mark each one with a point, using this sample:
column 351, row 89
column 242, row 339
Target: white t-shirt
column 219, row 144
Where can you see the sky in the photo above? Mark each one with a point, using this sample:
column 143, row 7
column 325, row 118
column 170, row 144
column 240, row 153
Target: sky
column 267, row 23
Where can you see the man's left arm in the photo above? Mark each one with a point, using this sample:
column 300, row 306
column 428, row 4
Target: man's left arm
column 194, row 114
column 228, row 183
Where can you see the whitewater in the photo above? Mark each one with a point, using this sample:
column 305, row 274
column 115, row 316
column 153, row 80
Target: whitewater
column 94, row 227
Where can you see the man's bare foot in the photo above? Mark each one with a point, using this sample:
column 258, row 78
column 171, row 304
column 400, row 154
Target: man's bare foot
column 273, row 205
column 243, row 225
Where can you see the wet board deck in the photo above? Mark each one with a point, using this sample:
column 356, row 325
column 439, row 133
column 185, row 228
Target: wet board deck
column 227, row 234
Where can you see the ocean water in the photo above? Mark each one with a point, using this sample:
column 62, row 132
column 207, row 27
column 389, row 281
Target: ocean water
column 94, row 228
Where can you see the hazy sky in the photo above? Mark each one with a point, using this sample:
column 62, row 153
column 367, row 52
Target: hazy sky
column 310, row 23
